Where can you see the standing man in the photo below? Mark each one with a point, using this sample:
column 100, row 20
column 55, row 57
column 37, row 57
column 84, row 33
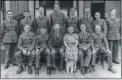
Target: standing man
column 26, row 45
column 113, row 34
column 100, row 22
column 10, row 33
column 73, row 20
column 58, row 18
column 26, row 21
column 42, row 48
column 99, row 46
column 42, row 22
column 87, row 20
column 56, row 46
column 84, row 49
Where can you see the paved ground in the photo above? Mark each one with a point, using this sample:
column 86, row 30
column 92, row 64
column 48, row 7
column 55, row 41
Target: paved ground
column 99, row 73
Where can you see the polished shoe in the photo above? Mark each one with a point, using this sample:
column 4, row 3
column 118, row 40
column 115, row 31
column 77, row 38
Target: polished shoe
column 37, row 71
column 86, row 70
column 53, row 70
column 111, row 70
column 92, row 69
column 6, row 66
column 48, row 71
column 83, row 70
column 116, row 61
column 29, row 70
column 20, row 70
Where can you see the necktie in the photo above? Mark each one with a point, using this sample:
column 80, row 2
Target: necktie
column 10, row 20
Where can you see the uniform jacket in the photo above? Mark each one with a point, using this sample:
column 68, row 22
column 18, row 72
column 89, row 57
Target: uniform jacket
column 73, row 22
column 24, row 22
column 103, row 25
column 55, row 41
column 41, row 41
column 26, row 41
column 84, row 39
column 42, row 23
column 57, row 19
column 10, row 31
column 88, row 23
column 99, row 41
column 113, row 29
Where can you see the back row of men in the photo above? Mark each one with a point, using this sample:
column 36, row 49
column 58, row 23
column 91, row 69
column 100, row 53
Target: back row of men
column 11, row 31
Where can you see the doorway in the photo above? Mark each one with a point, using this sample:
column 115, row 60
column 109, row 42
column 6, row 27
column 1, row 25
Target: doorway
column 98, row 7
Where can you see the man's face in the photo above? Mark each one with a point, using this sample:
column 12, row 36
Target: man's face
column 98, row 29
column 41, row 11
column 72, row 11
column 113, row 13
column 27, row 28
column 43, row 31
column 56, row 27
column 87, row 11
column 70, row 30
column 97, row 15
column 10, row 15
column 82, row 27
column 26, row 14
column 56, row 8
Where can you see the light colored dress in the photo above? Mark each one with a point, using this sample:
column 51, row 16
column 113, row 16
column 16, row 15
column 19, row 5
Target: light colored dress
column 71, row 42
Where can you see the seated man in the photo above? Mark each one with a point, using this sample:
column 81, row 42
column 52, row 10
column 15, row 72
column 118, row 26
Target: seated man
column 26, row 48
column 56, row 46
column 84, row 49
column 100, row 45
column 42, row 47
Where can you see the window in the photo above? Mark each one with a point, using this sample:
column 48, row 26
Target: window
column 3, row 10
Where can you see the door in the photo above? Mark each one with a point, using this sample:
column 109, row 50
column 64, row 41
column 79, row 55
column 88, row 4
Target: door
column 98, row 7
column 49, row 5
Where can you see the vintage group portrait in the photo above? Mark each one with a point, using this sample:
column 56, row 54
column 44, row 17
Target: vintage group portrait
column 77, row 39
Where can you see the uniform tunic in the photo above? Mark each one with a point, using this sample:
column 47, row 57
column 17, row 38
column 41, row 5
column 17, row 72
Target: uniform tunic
column 10, row 31
column 42, row 22
column 103, row 25
column 58, row 19
column 24, row 22
column 74, row 22
column 88, row 23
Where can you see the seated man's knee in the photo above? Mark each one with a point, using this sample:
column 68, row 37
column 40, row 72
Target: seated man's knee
column 17, row 53
column 61, row 50
column 33, row 53
column 53, row 52
column 80, row 53
column 47, row 51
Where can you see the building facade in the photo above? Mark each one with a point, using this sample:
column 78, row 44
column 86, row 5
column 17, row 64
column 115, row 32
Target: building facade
column 18, row 7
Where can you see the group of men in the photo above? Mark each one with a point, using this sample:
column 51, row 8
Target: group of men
column 30, row 39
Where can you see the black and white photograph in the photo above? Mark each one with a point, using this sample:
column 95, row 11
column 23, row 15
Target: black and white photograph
column 60, row 39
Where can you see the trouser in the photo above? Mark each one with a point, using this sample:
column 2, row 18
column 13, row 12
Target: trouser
column 54, row 51
column 39, row 54
column 108, row 54
column 114, row 47
column 10, row 50
column 20, row 57
column 84, row 61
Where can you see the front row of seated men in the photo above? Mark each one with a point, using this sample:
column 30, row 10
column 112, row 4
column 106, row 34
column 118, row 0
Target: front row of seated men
column 82, row 44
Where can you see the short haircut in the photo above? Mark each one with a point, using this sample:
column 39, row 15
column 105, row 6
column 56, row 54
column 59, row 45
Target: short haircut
column 70, row 27
column 97, row 25
column 9, row 11
column 86, row 8
column 41, row 7
column 72, row 8
column 97, row 12
column 26, row 11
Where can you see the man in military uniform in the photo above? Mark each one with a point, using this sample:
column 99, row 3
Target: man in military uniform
column 42, row 47
column 87, row 20
column 56, row 46
column 113, row 34
column 101, row 22
column 84, row 49
column 73, row 20
column 27, row 20
column 10, row 33
column 99, row 46
column 26, row 45
column 58, row 18
column 42, row 21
